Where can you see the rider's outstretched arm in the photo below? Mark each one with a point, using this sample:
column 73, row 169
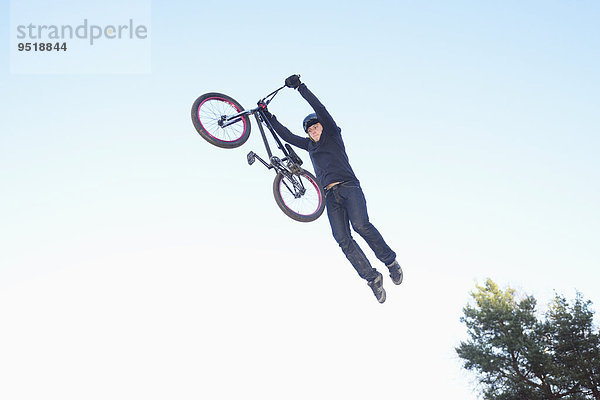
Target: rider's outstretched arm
column 322, row 113
column 285, row 134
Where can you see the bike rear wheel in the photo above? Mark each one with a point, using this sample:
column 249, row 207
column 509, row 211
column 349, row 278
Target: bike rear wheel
column 303, row 206
column 208, row 112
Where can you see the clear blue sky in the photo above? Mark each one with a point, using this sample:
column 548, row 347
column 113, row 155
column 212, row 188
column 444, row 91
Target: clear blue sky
column 138, row 261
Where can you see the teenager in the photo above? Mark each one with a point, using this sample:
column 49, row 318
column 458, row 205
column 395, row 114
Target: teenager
column 345, row 201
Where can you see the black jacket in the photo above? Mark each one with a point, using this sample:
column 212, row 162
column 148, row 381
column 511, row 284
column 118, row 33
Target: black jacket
column 328, row 155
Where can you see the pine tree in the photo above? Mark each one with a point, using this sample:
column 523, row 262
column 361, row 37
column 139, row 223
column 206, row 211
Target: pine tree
column 518, row 356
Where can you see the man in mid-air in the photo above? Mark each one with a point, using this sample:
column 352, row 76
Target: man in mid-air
column 345, row 201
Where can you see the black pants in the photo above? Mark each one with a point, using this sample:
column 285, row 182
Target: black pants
column 346, row 205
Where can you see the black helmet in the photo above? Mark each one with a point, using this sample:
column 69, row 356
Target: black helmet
column 310, row 119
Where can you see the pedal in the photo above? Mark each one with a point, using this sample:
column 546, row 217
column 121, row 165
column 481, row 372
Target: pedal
column 251, row 157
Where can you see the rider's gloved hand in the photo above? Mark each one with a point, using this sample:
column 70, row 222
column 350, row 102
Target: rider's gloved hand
column 293, row 81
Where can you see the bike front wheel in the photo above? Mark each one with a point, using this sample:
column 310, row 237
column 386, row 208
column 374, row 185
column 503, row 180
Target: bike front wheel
column 299, row 196
column 208, row 115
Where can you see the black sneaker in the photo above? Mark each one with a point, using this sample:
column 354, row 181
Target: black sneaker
column 396, row 272
column 377, row 286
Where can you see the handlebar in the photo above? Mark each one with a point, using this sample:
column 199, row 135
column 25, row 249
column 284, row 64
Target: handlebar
column 264, row 102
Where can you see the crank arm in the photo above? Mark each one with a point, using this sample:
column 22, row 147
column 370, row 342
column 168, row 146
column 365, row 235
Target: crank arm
column 252, row 156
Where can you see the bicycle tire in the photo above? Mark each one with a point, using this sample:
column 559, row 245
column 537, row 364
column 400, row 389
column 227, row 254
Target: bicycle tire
column 206, row 112
column 306, row 208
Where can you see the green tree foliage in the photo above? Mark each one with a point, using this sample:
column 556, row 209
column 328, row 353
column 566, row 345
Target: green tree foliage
column 519, row 356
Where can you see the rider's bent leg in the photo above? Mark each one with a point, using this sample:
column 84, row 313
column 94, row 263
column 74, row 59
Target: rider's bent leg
column 340, row 226
column 356, row 205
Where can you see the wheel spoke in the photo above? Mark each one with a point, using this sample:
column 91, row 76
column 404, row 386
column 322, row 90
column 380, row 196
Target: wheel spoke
column 306, row 205
column 210, row 112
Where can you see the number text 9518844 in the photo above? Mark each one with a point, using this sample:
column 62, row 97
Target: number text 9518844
column 42, row 46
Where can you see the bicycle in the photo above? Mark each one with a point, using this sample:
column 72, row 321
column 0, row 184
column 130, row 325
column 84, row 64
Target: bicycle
column 224, row 123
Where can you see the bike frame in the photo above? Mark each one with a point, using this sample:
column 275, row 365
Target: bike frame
column 290, row 155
